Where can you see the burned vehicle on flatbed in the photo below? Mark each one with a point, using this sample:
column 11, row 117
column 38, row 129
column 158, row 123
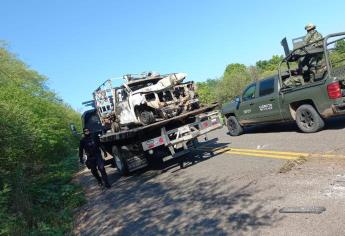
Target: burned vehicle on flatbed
column 150, row 117
column 144, row 99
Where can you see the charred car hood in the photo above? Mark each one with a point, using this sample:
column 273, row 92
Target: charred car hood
column 163, row 83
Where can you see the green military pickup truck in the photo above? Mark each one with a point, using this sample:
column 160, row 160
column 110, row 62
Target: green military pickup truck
column 309, row 87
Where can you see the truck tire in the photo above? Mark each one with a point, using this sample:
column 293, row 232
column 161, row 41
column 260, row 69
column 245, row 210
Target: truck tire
column 308, row 119
column 146, row 117
column 120, row 159
column 234, row 127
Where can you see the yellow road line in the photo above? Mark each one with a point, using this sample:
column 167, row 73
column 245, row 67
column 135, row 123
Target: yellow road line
column 270, row 152
column 304, row 154
column 266, row 153
column 263, row 155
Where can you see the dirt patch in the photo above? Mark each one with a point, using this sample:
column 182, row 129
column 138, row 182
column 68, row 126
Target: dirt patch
column 290, row 164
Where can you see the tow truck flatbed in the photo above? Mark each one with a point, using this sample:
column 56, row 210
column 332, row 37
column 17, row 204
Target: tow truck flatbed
column 140, row 131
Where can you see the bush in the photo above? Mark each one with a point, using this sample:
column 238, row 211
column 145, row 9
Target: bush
column 236, row 76
column 36, row 196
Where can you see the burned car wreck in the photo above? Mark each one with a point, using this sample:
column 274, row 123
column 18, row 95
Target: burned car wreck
column 144, row 99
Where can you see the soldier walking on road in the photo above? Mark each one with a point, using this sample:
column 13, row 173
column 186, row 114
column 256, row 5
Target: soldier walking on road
column 91, row 145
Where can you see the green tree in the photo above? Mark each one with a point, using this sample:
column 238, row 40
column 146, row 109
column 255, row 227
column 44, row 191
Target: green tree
column 269, row 67
column 207, row 91
column 35, row 145
column 340, row 46
column 337, row 56
column 235, row 78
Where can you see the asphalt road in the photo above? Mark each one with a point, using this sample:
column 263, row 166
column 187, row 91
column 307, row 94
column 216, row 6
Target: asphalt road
column 230, row 186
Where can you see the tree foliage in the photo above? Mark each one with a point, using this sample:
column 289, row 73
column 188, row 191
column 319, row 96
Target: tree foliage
column 340, row 46
column 35, row 142
column 338, row 54
column 236, row 76
column 206, row 91
column 269, row 65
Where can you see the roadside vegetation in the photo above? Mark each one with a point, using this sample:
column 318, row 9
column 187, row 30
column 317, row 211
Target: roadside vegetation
column 234, row 79
column 37, row 154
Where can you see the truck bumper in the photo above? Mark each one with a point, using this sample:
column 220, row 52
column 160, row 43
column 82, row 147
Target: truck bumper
column 334, row 110
column 339, row 109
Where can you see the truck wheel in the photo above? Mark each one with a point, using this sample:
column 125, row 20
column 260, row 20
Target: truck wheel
column 308, row 119
column 146, row 117
column 234, row 126
column 120, row 159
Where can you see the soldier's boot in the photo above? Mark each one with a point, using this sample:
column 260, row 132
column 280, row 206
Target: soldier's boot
column 105, row 177
column 96, row 175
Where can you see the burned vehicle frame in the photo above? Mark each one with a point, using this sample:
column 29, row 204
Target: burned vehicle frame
column 144, row 99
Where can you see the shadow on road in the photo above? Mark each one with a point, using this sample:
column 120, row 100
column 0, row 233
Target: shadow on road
column 335, row 123
column 197, row 155
column 157, row 166
column 272, row 128
column 173, row 203
column 138, row 206
column 330, row 123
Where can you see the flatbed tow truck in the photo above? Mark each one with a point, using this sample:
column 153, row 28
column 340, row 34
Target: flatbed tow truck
column 149, row 118
column 134, row 149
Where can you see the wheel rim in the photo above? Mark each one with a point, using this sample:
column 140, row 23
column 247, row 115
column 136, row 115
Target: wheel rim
column 307, row 119
column 232, row 126
column 119, row 163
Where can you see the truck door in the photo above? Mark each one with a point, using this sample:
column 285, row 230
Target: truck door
column 247, row 107
column 267, row 102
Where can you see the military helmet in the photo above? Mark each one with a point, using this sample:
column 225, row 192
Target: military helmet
column 309, row 26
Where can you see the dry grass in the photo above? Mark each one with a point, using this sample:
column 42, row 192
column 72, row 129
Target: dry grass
column 290, row 164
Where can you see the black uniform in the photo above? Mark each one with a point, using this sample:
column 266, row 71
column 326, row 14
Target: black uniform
column 91, row 145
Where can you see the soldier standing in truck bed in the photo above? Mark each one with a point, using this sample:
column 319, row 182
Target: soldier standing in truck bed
column 312, row 36
column 315, row 62
column 308, row 64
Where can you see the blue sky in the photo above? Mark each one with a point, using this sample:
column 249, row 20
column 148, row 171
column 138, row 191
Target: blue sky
column 80, row 44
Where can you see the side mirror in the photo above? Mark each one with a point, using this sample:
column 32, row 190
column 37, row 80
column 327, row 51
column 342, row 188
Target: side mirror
column 74, row 130
column 237, row 99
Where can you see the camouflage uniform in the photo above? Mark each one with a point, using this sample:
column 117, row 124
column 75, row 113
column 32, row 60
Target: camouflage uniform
column 313, row 36
column 308, row 64
column 314, row 64
column 294, row 81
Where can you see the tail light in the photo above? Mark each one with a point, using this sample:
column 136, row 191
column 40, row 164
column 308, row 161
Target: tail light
column 334, row 90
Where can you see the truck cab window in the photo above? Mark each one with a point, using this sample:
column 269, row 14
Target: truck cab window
column 266, row 87
column 249, row 93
